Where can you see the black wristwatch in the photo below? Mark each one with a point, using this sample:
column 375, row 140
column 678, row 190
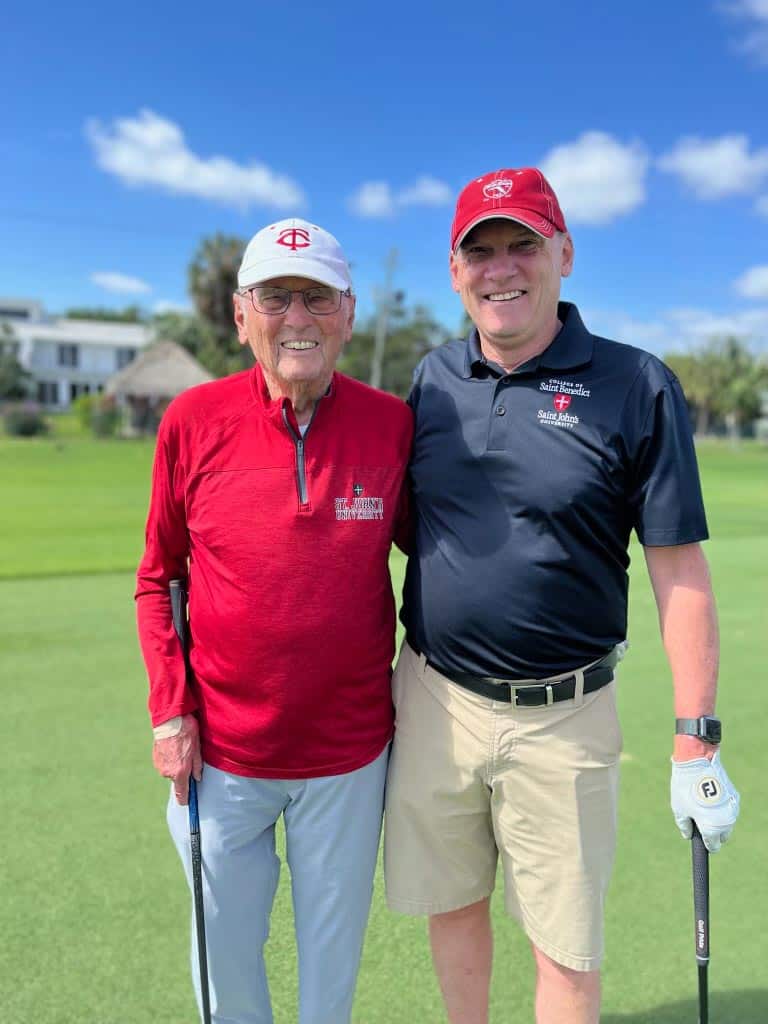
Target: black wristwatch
column 706, row 728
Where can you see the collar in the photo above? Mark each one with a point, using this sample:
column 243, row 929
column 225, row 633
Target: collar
column 272, row 408
column 571, row 347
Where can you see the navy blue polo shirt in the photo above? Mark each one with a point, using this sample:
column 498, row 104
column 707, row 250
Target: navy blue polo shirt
column 527, row 486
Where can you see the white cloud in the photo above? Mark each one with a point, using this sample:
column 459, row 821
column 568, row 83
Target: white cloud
column 751, row 8
column 426, row 191
column 123, row 284
column 755, row 14
column 753, row 283
column 717, row 167
column 373, row 199
column 150, row 150
column 378, row 199
column 682, row 330
column 596, row 177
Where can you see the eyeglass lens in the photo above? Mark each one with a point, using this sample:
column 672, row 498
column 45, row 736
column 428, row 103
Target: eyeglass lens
column 319, row 300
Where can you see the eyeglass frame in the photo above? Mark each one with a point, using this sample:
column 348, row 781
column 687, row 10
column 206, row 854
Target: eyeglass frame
column 347, row 293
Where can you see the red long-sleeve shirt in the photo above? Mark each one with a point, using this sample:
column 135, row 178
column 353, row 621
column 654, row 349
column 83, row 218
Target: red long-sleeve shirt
column 285, row 544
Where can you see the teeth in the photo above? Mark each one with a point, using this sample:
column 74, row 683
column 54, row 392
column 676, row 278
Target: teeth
column 299, row 345
column 501, row 296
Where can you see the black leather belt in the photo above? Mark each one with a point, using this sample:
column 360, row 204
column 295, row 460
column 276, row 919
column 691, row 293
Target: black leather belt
column 531, row 695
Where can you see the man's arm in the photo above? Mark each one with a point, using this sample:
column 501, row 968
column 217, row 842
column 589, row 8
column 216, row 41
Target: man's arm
column 700, row 788
column 688, row 620
column 176, row 751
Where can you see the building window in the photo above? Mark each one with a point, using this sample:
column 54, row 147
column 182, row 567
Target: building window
column 76, row 390
column 125, row 356
column 68, row 355
column 47, row 392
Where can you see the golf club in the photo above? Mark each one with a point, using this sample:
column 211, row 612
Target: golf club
column 179, row 612
column 700, row 858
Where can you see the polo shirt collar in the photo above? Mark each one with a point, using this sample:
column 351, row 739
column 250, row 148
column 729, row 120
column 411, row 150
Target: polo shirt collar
column 571, row 347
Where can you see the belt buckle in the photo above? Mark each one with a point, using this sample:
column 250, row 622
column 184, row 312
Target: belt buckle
column 548, row 691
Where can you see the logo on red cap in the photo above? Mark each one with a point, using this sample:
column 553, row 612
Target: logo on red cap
column 498, row 188
column 294, row 238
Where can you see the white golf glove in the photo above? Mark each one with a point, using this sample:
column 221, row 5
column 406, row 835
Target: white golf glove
column 701, row 791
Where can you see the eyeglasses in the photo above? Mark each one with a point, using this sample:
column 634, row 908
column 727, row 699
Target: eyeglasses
column 321, row 300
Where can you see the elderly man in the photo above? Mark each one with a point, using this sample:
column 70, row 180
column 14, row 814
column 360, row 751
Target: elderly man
column 277, row 493
column 538, row 447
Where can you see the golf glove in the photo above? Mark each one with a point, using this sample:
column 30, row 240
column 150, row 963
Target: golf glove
column 702, row 792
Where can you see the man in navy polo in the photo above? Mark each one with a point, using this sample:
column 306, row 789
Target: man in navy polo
column 539, row 447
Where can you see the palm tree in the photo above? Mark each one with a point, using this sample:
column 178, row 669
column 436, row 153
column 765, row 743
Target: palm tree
column 212, row 280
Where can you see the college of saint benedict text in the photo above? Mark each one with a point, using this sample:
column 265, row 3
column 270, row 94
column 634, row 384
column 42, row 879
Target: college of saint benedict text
column 567, row 387
column 359, row 508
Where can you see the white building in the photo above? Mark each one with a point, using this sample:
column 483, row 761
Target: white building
column 68, row 358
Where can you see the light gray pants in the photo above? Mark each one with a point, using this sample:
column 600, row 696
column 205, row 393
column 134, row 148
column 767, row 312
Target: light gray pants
column 332, row 827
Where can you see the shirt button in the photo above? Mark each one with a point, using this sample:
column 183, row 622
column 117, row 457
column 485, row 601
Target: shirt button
column 500, row 410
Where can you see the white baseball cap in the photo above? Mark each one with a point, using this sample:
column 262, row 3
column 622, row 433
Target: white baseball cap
column 294, row 248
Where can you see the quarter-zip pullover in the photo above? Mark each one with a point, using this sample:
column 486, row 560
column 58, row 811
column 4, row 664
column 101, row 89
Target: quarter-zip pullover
column 285, row 542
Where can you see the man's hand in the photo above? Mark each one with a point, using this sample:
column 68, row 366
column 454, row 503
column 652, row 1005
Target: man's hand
column 702, row 792
column 177, row 757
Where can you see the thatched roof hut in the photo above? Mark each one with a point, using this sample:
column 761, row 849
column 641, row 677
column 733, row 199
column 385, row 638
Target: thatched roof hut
column 145, row 386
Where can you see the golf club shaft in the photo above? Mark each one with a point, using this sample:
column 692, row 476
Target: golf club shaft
column 179, row 613
column 700, row 863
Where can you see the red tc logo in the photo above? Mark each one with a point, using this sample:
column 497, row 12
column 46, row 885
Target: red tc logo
column 294, row 238
column 562, row 402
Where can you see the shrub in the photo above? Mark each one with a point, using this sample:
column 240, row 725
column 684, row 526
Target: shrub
column 97, row 413
column 24, row 421
column 83, row 409
column 105, row 417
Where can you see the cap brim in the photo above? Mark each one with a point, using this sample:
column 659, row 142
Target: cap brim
column 291, row 266
column 540, row 225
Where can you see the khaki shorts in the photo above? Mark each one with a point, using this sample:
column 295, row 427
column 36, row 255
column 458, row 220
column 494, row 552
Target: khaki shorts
column 471, row 779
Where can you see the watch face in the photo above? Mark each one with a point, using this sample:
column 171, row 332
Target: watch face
column 713, row 730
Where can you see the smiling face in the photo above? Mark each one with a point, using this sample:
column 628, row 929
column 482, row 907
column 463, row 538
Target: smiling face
column 508, row 278
column 296, row 350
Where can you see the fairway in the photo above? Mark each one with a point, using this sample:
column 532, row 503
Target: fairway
column 94, row 912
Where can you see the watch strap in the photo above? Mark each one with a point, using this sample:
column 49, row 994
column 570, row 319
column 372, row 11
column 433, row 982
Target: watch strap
column 687, row 727
column 706, row 727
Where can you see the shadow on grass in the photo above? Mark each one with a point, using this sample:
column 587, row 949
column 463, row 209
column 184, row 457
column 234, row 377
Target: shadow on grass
column 750, row 1007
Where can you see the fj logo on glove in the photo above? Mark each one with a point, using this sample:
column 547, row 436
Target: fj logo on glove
column 708, row 790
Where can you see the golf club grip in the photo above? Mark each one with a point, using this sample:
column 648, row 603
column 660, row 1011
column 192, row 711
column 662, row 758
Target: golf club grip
column 179, row 612
column 700, row 860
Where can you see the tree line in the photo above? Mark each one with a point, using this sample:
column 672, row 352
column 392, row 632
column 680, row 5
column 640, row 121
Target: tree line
column 725, row 383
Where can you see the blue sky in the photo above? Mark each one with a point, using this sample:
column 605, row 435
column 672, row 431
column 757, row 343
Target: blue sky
column 129, row 134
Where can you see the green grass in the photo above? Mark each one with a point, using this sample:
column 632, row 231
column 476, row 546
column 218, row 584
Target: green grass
column 93, row 909
column 72, row 505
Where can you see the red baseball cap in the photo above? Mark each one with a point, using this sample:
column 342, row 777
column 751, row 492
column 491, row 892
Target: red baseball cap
column 523, row 195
